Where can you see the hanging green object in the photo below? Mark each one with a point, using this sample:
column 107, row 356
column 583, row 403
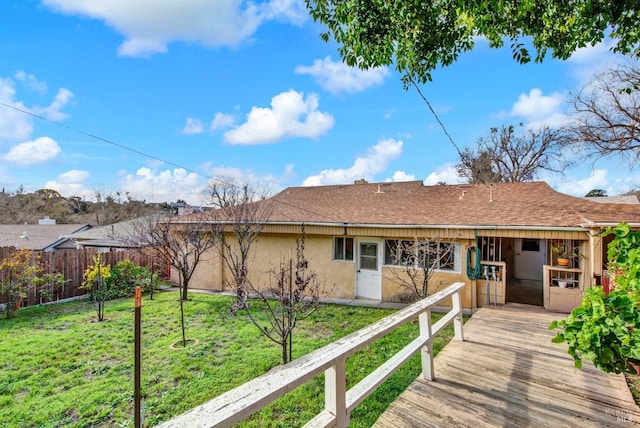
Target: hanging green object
column 473, row 272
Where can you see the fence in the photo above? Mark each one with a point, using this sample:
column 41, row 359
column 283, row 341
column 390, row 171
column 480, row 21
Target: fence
column 72, row 264
column 239, row 403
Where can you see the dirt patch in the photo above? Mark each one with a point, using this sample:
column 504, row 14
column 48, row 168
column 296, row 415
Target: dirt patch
column 189, row 343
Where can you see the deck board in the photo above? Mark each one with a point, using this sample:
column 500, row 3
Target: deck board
column 508, row 373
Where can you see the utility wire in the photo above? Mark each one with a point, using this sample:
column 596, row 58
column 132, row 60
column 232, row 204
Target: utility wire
column 147, row 155
column 436, row 116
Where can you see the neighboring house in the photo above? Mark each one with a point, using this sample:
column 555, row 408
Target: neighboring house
column 112, row 237
column 45, row 236
column 623, row 199
column 351, row 231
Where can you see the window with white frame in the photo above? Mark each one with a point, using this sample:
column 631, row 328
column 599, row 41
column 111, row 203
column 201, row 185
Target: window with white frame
column 444, row 256
column 342, row 248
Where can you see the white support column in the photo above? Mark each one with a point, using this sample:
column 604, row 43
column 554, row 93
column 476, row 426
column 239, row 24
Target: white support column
column 458, row 321
column 335, row 392
column 424, row 320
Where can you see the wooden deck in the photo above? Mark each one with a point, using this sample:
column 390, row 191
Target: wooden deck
column 507, row 373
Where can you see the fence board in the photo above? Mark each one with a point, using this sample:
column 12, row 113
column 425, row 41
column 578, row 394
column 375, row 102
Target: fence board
column 71, row 263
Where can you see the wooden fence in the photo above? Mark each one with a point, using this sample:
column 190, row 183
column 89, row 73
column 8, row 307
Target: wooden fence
column 72, row 264
column 235, row 405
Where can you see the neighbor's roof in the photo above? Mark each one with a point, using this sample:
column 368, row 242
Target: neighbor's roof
column 623, row 199
column 37, row 237
column 118, row 235
column 532, row 204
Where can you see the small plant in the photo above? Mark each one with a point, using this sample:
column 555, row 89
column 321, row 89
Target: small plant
column 124, row 277
column 606, row 328
column 563, row 250
column 603, row 330
column 22, row 272
column 95, row 277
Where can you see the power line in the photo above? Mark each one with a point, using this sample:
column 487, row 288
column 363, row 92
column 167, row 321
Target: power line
column 105, row 140
column 147, row 155
column 436, row 116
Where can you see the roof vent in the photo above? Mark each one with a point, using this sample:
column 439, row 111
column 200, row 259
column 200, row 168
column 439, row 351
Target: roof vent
column 463, row 190
column 379, row 189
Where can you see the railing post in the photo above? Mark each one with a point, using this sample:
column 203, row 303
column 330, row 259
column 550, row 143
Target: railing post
column 457, row 321
column 424, row 320
column 335, row 392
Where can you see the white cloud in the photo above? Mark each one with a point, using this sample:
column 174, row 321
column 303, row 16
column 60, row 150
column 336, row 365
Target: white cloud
column 14, row 125
column 71, row 183
column 401, row 176
column 337, row 77
column 443, row 174
column 591, row 54
column 580, row 187
column 150, row 25
column 540, row 110
column 164, row 185
column 222, row 120
column 535, row 106
column 193, row 126
column 290, row 116
column 38, row 151
column 293, row 11
column 31, row 81
column 53, row 110
column 374, row 161
column 270, row 183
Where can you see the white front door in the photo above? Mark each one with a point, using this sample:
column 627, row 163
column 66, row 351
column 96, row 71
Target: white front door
column 531, row 254
column 369, row 270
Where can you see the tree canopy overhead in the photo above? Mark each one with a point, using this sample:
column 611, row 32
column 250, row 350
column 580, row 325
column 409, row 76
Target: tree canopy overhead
column 419, row 35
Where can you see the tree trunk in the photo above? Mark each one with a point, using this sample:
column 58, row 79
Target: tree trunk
column 184, row 290
column 285, row 350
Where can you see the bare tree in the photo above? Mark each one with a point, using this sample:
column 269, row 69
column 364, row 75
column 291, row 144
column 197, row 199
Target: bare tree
column 505, row 156
column 239, row 214
column 606, row 117
column 293, row 296
column 417, row 260
column 181, row 242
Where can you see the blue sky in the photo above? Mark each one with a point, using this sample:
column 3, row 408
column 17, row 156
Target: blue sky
column 227, row 88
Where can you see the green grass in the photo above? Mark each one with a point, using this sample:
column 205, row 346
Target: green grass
column 58, row 367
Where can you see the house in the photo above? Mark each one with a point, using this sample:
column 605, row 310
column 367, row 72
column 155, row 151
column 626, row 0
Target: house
column 509, row 229
column 112, row 237
column 44, row 236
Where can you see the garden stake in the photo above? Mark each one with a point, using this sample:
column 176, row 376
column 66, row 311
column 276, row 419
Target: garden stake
column 136, row 377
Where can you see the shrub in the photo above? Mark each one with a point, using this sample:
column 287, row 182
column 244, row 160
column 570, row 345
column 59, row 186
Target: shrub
column 125, row 277
column 606, row 328
column 21, row 273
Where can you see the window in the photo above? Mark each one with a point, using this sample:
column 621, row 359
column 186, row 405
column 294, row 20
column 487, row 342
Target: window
column 531, row 245
column 342, row 248
column 437, row 255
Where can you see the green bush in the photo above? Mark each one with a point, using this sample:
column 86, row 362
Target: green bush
column 605, row 329
column 125, row 277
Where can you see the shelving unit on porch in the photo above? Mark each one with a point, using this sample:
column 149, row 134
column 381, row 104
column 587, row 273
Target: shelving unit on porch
column 563, row 288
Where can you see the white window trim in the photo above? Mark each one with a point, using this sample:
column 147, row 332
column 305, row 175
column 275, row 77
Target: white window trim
column 333, row 249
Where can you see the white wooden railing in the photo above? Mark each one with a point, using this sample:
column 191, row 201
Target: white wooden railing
column 239, row 403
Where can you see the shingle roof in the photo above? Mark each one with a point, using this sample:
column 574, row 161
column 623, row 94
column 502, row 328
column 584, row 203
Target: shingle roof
column 533, row 204
column 36, row 236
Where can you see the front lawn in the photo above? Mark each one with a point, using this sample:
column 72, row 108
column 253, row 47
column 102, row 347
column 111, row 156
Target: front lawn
column 58, row 367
